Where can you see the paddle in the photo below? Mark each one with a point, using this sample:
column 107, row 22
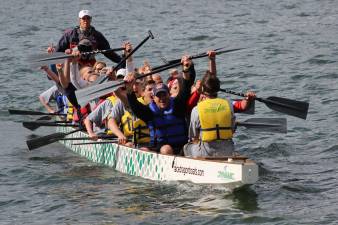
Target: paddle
column 199, row 55
column 53, row 58
column 33, row 125
column 88, row 138
column 84, row 96
column 46, row 140
column 275, row 125
column 30, row 112
column 96, row 143
column 96, row 91
column 284, row 105
column 164, row 60
column 44, row 118
column 150, row 35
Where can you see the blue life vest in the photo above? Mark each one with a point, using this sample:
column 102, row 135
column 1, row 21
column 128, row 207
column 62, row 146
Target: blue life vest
column 62, row 103
column 166, row 128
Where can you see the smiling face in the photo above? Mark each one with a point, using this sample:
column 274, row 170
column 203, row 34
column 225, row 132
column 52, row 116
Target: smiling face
column 162, row 100
column 84, row 22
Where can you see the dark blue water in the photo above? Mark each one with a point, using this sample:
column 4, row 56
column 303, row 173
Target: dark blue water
column 291, row 51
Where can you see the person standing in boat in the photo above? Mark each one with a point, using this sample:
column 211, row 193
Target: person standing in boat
column 85, row 30
column 165, row 116
column 212, row 122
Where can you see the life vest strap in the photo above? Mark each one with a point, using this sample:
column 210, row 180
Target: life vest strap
column 217, row 128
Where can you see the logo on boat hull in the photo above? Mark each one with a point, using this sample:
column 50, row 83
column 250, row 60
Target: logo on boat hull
column 225, row 174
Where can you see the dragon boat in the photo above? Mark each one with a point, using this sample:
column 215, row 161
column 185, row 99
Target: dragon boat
column 232, row 171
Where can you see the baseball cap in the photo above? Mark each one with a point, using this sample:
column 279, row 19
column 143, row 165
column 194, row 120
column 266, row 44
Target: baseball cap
column 121, row 73
column 84, row 12
column 160, row 88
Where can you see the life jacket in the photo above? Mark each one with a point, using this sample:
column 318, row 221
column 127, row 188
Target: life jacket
column 89, row 34
column 135, row 127
column 84, row 112
column 112, row 99
column 166, row 128
column 216, row 118
column 62, row 103
column 70, row 112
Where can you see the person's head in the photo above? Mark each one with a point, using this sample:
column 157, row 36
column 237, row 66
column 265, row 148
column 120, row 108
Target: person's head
column 148, row 87
column 85, row 19
column 121, row 73
column 157, row 78
column 85, row 45
column 137, row 87
column 87, row 73
column 98, row 66
column 210, row 85
column 161, row 96
column 174, row 73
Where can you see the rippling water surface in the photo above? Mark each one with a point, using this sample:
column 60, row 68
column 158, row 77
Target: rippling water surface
column 291, row 51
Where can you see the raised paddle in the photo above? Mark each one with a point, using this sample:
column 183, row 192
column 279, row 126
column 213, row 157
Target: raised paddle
column 196, row 56
column 33, row 125
column 46, row 140
column 205, row 54
column 84, row 97
column 284, row 105
column 87, row 94
column 33, row 113
column 273, row 125
column 150, row 35
column 52, row 58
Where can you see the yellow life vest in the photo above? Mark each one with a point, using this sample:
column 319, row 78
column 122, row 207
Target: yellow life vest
column 70, row 112
column 136, row 128
column 216, row 118
column 112, row 99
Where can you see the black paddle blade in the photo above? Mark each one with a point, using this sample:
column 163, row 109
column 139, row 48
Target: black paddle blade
column 30, row 126
column 273, row 125
column 288, row 106
column 45, row 140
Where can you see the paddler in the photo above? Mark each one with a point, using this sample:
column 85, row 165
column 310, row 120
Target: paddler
column 212, row 122
column 165, row 116
column 124, row 124
column 73, row 36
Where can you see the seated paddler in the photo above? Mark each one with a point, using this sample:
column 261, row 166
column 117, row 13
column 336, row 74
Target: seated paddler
column 212, row 122
column 165, row 115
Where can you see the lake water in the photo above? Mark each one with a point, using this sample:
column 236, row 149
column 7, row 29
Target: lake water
column 290, row 51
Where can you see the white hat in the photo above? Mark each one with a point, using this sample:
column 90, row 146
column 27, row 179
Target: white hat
column 121, row 72
column 84, row 12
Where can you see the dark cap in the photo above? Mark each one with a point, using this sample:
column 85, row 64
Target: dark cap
column 160, row 88
column 85, row 45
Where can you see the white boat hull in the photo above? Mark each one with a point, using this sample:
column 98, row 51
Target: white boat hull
column 232, row 171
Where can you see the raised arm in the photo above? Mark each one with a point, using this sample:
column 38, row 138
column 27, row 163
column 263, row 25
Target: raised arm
column 141, row 111
column 212, row 62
